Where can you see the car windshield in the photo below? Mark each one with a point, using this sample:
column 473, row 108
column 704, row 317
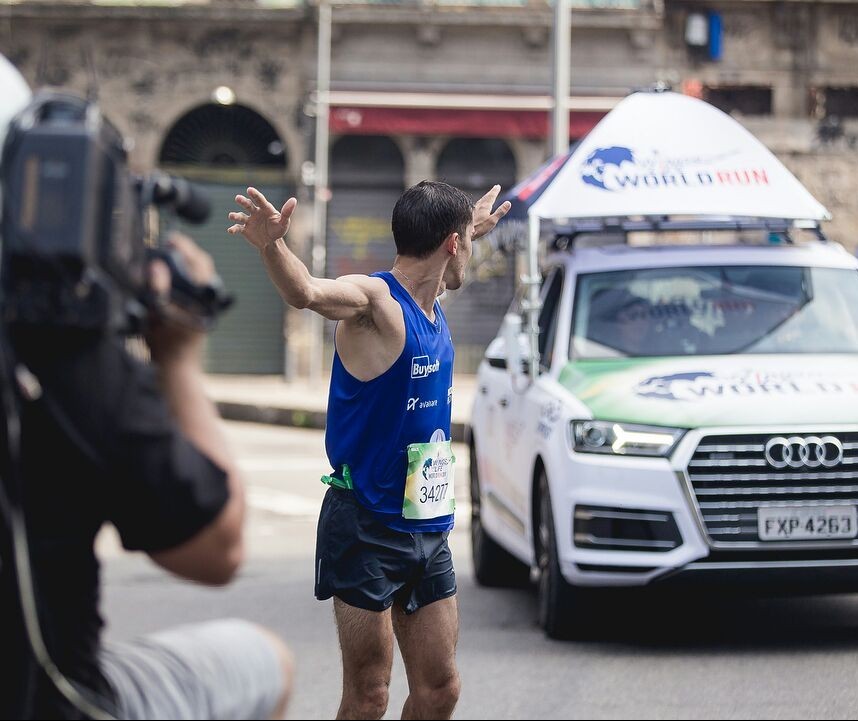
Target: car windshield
column 717, row 310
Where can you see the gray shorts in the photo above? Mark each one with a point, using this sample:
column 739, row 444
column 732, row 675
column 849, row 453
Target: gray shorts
column 219, row 670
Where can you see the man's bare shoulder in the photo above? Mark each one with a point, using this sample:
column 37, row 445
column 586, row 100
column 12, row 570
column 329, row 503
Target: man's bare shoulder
column 372, row 285
column 384, row 314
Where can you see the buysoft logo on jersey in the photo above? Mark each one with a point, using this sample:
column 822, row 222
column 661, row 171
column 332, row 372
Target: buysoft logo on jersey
column 422, row 368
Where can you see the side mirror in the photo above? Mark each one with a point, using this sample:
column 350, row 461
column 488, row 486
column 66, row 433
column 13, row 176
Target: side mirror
column 511, row 334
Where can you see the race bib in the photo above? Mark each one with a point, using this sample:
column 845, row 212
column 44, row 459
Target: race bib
column 429, row 485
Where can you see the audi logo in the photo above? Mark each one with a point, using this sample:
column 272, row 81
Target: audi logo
column 809, row 452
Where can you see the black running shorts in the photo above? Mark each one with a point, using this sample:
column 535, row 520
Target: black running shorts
column 368, row 565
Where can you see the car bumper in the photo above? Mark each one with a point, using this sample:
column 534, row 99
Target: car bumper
column 768, row 578
column 658, row 487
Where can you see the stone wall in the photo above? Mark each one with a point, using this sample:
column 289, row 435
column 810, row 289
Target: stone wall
column 155, row 64
column 832, row 176
column 153, row 69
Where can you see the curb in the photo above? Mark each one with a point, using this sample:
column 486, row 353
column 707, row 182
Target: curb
column 299, row 417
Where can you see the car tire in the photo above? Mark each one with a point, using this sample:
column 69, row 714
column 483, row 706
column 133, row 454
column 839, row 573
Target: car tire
column 494, row 566
column 565, row 612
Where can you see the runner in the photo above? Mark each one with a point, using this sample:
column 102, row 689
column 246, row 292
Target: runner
column 381, row 548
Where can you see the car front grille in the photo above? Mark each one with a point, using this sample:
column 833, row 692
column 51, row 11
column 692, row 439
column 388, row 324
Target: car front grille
column 732, row 479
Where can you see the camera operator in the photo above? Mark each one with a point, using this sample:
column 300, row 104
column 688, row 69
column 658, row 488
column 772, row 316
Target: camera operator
column 105, row 438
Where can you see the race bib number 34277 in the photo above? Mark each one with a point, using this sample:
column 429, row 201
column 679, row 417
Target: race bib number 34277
column 429, row 484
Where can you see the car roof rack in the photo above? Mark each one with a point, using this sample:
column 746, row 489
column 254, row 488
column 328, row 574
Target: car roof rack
column 566, row 234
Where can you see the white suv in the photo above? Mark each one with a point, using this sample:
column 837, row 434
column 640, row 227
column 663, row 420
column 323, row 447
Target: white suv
column 696, row 417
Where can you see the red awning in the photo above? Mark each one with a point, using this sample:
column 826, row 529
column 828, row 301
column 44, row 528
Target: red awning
column 455, row 121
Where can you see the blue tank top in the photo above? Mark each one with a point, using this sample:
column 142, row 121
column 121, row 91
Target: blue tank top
column 370, row 425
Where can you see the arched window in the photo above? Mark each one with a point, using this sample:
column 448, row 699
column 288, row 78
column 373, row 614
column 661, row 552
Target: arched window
column 363, row 161
column 476, row 164
column 223, row 135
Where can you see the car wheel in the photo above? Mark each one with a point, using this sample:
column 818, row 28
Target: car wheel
column 565, row 611
column 494, row 566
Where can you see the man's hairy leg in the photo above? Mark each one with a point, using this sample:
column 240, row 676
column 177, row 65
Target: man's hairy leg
column 427, row 640
column 366, row 642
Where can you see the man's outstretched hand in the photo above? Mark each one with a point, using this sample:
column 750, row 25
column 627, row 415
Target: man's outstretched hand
column 484, row 219
column 261, row 223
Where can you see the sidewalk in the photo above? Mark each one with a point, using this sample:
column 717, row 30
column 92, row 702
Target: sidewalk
column 269, row 399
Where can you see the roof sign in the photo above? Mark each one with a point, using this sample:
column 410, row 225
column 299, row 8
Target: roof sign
column 665, row 154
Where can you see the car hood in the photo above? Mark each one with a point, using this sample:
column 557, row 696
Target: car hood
column 719, row 390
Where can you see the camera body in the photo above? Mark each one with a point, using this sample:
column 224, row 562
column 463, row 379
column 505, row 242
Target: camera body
column 74, row 224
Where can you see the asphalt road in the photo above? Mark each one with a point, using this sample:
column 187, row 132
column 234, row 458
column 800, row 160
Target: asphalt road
column 676, row 657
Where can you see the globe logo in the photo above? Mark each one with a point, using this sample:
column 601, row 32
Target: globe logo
column 600, row 160
column 676, row 387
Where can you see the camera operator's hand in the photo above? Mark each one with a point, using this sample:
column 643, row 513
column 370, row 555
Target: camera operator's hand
column 169, row 338
column 261, row 223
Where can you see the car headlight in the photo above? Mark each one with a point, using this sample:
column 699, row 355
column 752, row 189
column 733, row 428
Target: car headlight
column 623, row 439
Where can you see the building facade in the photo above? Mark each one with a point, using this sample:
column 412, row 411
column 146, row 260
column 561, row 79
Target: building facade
column 223, row 91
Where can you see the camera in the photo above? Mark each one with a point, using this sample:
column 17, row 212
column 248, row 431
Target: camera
column 76, row 225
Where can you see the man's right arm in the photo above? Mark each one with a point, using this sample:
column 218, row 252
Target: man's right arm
column 348, row 298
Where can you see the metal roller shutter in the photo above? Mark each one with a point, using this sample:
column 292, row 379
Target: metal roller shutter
column 366, row 181
column 249, row 338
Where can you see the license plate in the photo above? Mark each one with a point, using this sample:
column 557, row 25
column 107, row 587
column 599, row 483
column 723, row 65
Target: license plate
column 804, row 523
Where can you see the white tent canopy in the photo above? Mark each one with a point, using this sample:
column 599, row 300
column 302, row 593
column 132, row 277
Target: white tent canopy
column 665, row 154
